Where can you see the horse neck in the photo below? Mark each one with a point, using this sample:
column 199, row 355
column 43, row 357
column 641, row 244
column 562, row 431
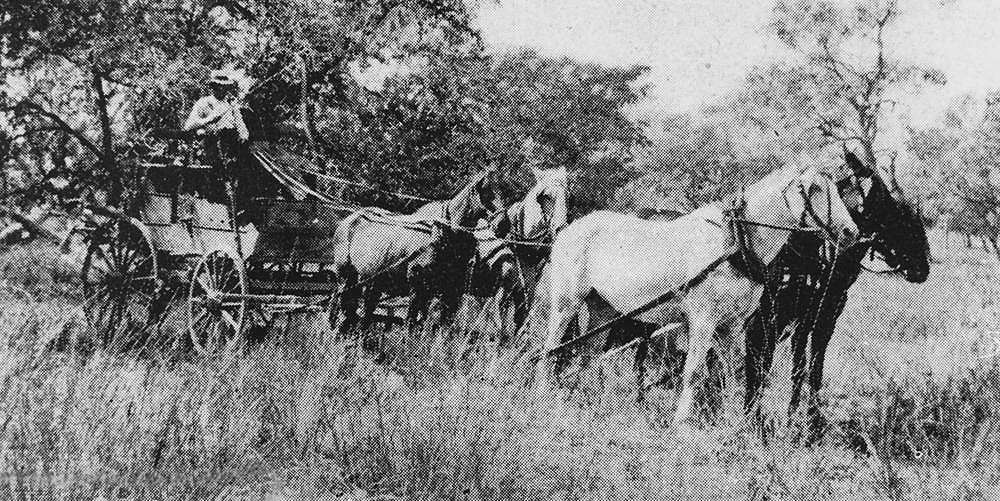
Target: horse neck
column 460, row 209
column 457, row 212
column 555, row 220
column 768, row 206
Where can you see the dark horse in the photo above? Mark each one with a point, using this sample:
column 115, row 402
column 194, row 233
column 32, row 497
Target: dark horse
column 509, row 258
column 423, row 255
column 804, row 289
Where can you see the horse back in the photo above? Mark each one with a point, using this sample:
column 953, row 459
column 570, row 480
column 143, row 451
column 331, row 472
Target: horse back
column 372, row 244
column 629, row 261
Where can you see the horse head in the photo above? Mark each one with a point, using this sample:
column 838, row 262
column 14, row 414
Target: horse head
column 543, row 211
column 477, row 200
column 895, row 228
column 486, row 189
column 788, row 200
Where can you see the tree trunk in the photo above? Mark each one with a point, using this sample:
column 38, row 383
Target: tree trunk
column 308, row 120
column 107, row 161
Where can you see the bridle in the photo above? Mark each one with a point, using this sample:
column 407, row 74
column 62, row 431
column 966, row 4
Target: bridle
column 737, row 222
column 477, row 186
column 825, row 226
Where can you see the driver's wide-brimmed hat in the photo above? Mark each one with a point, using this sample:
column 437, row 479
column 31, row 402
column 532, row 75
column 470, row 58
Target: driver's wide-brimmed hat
column 221, row 77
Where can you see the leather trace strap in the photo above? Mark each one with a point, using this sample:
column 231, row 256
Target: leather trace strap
column 824, row 225
column 745, row 259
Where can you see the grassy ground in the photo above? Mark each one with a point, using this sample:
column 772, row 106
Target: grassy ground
column 913, row 379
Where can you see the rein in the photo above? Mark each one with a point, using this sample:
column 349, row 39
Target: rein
column 416, row 224
column 809, row 209
column 747, row 259
column 735, row 221
column 659, row 300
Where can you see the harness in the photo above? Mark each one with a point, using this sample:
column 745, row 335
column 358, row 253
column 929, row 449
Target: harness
column 745, row 259
column 741, row 250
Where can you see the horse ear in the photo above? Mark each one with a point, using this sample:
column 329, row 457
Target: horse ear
column 855, row 164
column 501, row 224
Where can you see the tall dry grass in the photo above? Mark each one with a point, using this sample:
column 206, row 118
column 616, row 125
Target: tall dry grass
column 911, row 398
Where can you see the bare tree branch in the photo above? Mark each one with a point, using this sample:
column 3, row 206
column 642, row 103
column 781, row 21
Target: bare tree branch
column 30, row 108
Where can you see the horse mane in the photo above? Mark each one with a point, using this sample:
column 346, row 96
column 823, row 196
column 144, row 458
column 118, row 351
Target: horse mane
column 458, row 205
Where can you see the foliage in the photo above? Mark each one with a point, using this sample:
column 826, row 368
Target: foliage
column 584, row 106
column 959, row 159
column 88, row 89
column 841, row 83
column 692, row 164
column 912, row 413
column 443, row 119
column 396, row 94
column 82, row 86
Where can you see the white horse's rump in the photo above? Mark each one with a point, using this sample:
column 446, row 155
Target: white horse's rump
column 629, row 262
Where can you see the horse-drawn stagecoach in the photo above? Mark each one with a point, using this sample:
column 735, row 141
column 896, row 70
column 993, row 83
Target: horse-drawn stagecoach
column 180, row 239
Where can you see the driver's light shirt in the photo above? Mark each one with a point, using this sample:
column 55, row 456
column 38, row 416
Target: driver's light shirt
column 209, row 106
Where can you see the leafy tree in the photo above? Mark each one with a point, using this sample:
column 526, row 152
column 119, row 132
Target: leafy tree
column 840, row 86
column 582, row 107
column 82, row 71
column 99, row 85
column 691, row 164
column 86, row 90
column 432, row 126
column 960, row 167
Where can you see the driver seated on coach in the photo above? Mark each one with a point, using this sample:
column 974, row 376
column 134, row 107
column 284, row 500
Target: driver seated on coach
column 218, row 119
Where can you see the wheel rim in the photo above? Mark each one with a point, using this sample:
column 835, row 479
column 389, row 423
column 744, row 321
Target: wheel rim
column 215, row 322
column 119, row 279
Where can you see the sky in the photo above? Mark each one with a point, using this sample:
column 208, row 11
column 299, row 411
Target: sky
column 699, row 50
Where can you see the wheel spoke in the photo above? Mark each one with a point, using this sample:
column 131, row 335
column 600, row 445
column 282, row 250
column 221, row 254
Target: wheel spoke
column 213, row 339
column 206, row 283
column 213, row 324
column 229, row 319
column 214, row 271
column 117, row 313
column 200, row 318
column 119, row 278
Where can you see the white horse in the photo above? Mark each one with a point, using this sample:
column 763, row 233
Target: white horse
column 629, row 262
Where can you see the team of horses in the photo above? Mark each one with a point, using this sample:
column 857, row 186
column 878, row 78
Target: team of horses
column 773, row 261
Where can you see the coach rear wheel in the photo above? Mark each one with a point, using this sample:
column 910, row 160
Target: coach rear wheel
column 217, row 305
column 119, row 278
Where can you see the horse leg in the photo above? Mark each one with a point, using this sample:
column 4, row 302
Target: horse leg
column 702, row 333
column 513, row 297
column 820, row 341
column 561, row 312
column 416, row 310
column 806, row 322
column 639, row 365
column 757, row 362
column 800, row 339
column 830, row 310
column 372, row 295
column 333, row 308
column 450, row 302
column 349, row 297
